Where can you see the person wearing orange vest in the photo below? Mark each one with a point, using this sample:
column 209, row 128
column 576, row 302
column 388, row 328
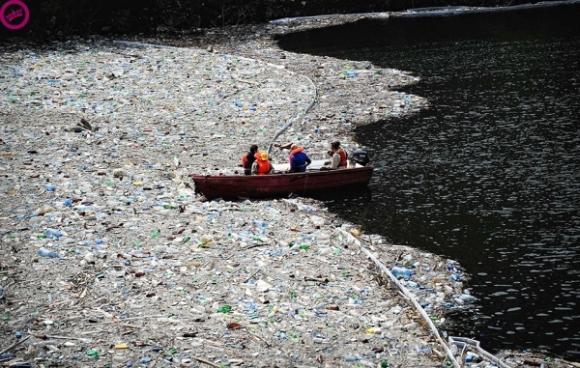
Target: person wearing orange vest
column 249, row 158
column 339, row 156
column 261, row 165
column 298, row 159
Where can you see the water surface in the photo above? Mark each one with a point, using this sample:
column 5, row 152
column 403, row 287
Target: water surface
column 489, row 174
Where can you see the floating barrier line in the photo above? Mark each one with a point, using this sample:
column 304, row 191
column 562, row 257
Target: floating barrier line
column 428, row 12
column 458, row 341
column 299, row 117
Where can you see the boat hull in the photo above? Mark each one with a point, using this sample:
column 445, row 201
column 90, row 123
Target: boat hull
column 277, row 185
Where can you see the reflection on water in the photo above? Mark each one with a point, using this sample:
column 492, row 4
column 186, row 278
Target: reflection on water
column 488, row 175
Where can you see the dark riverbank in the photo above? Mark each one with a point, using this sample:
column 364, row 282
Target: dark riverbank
column 62, row 18
column 487, row 174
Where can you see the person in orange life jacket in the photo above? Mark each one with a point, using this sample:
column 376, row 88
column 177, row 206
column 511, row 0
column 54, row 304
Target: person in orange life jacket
column 248, row 159
column 339, row 156
column 299, row 160
column 261, row 165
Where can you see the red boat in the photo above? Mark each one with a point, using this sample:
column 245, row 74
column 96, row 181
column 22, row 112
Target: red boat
column 281, row 184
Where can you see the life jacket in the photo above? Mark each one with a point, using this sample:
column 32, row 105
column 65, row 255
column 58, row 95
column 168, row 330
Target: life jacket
column 264, row 166
column 293, row 154
column 295, row 151
column 343, row 158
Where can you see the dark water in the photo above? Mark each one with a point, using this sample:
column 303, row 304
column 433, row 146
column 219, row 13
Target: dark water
column 489, row 175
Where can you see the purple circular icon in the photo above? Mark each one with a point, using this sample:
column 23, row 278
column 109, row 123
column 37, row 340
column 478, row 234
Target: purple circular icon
column 14, row 15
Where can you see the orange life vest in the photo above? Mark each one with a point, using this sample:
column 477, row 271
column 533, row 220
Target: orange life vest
column 263, row 165
column 293, row 152
column 343, row 158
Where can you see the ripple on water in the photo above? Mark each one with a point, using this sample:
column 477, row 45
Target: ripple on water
column 488, row 175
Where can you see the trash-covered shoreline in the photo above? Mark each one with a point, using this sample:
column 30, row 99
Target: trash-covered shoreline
column 109, row 258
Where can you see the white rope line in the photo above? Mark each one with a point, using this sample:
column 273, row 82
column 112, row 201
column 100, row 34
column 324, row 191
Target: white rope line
column 350, row 238
column 299, row 117
column 461, row 342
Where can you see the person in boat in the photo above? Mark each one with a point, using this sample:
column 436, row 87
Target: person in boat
column 249, row 158
column 262, row 165
column 298, row 158
column 339, row 156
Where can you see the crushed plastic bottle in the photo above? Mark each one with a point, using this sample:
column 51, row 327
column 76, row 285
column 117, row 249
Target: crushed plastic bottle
column 472, row 358
column 401, row 272
column 93, row 354
column 43, row 252
column 52, row 234
column 224, row 309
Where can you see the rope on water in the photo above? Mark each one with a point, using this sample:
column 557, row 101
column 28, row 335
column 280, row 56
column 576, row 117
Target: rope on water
column 298, row 117
column 351, row 239
column 458, row 341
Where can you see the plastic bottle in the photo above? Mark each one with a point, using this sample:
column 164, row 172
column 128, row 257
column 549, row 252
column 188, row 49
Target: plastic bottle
column 472, row 358
column 224, row 309
column 401, row 272
column 52, row 234
column 99, row 244
column 43, row 252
